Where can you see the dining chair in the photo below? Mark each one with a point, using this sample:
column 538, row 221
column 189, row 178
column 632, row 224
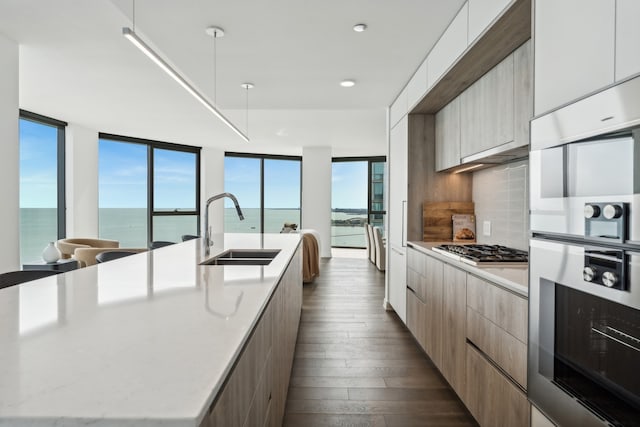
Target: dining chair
column 111, row 255
column 160, row 244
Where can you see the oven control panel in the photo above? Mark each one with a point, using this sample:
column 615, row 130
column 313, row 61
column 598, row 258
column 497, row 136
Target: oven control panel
column 605, row 267
column 606, row 221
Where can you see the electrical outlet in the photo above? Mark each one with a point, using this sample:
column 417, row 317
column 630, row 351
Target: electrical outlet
column 486, row 228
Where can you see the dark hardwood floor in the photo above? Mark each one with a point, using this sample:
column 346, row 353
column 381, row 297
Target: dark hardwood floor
column 357, row 365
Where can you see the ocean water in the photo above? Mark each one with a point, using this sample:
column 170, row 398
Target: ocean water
column 38, row 227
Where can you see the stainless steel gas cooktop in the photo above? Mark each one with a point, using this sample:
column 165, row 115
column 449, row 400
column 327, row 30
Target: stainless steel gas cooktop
column 485, row 255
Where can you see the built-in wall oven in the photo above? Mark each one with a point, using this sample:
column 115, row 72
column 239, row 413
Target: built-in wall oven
column 584, row 297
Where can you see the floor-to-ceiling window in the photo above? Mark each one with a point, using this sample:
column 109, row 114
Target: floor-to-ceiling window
column 42, row 201
column 267, row 189
column 148, row 190
column 357, row 197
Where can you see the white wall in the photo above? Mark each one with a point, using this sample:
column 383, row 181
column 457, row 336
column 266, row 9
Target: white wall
column 81, row 181
column 211, row 183
column 9, row 156
column 316, row 194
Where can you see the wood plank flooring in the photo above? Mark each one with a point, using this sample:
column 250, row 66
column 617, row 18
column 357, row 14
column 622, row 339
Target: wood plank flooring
column 357, row 365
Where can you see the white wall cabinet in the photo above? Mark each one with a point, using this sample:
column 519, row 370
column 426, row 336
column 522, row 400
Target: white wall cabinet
column 450, row 46
column 417, row 86
column 482, row 13
column 448, row 136
column 574, row 49
column 627, row 38
column 397, row 216
column 398, row 109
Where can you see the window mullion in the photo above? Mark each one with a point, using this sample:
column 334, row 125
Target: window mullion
column 150, row 206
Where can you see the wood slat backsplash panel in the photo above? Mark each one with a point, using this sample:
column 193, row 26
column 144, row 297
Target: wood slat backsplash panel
column 436, row 219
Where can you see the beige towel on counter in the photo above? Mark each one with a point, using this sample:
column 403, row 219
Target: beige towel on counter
column 310, row 258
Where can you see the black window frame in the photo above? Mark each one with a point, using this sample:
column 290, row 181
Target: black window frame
column 262, row 158
column 370, row 160
column 151, row 146
column 61, row 164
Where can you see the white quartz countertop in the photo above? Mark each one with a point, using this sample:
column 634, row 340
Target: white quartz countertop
column 145, row 340
column 515, row 279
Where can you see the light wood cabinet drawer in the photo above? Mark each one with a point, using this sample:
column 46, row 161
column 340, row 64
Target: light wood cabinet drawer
column 504, row 349
column 259, row 409
column 416, row 317
column 417, row 283
column 417, row 261
column 507, row 310
column 491, row 398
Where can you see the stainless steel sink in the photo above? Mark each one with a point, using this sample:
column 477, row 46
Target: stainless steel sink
column 243, row 257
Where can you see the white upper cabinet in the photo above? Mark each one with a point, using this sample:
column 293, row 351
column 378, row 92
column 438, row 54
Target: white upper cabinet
column 574, row 49
column 452, row 43
column 481, row 14
column 417, row 86
column 398, row 109
column 627, row 38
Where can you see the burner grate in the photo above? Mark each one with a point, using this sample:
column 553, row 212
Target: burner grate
column 481, row 254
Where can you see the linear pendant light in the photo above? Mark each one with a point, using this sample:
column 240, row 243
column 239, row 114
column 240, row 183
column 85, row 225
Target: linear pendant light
column 137, row 42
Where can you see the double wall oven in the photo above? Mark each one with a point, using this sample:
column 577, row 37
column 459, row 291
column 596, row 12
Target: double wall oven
column 584, row 298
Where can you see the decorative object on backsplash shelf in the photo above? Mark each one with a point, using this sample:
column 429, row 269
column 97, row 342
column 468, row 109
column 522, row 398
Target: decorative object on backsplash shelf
column 436, row 219
column 50, row 254
column 464, row 228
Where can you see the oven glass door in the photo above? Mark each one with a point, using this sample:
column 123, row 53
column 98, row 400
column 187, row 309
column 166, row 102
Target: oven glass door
column 597, row 354
column 565, row 178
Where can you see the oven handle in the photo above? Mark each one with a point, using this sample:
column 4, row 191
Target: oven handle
column 616, row 339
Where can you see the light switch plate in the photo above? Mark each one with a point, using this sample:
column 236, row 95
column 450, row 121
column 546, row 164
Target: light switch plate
column 486, row 228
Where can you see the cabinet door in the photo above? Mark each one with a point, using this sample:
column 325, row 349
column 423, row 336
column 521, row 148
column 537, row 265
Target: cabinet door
column 398, row 152
column 417, row 86
column 448, row 136
column 482, row 13
column 627, row 38
column 454, row 324
column 487, row 110
column 397, row 279
column 433, row 307
column 450, row 46
column 397, row 217
column 574, row 49
column 491, row 398
column 522, row 93
column 398, row 109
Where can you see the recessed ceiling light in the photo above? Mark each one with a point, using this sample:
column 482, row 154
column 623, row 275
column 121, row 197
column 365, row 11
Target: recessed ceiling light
column 358, row 28
column 347, row 83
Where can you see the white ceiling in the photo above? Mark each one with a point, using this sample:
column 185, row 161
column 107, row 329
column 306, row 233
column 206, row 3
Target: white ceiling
column 76, row 66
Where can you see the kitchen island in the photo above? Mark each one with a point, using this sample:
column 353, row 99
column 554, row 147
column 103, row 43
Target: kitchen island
column 151, row 339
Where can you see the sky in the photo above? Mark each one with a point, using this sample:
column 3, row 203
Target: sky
column 282, row 183
column 122, row 172
column 122, row 179
column 38, row 165
column 349, row 185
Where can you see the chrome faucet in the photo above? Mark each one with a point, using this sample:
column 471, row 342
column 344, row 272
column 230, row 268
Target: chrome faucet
column 207, row 228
